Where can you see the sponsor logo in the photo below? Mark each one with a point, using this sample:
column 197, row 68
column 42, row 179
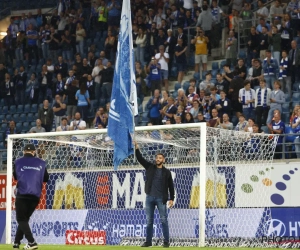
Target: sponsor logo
column 275, row 227
column 85, row 237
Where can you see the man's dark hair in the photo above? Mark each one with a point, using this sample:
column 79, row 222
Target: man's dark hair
column 160, row 153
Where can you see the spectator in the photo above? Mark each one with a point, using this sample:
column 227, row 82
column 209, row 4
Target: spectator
column 100, row 120
column 220, row 84
column 270, row 66
column 114, row 13
column 247, row 99
column 234, row 89
column 223, row 105
column 178, row 119
column 180, row 112
column 207, row 83
column 107, row 75
column 85, row 70
column 90, row 86
column 66, row 46
column 63, row 125
column 201, row 117
column 213, row 95
column 262, row 11
column 256, row 73
column 275, row 42
column 62, row 23
column 23, row 23
column 59, row 109
column 241, row 68
column 9, row 46
column 246, row 14
column 13, row 28
column 241, row 124
column 200, row 42
column 50, row 66
column 11, row 130
column 21, row 46
column 91, row 59
column 110, row 42
column 32, row 92
column 173, row 18
column 40, row 19
column 159, row 41
column 38, row 128
column 294, row 114
column 263, row 43
column 70, row 93
column 262, row 103
column 193, row 84
column 294, row 62
column 154, row 107
column 70, row 79
column 140, row 75
column 181, row 99
column 44, row 37
column 231, row 49
column 80, row 36
column 141, row 43
column 296, row 129
column 54, row 42
column 159, row 17
column 188, row 118
column 61, row 67
column 9, row 93
column 163, row 59
column 45, row 114
column 277, row 98
column 102, row 17
column 194, row 111
column 83, row 101
column 20, row 86
column 228, row 75
column 226, row 124
column 192, row 95
column 253, row 45
column 78, row 123
column 32, row 48
column 284, row 74
column 277, row 127
column 170, row 44
column 276, row 10
column 154, row 69
column 263, row 23
column 164, row 99
column 286, row 33
column 45, row 81
column 215, row 120
column 169, row 110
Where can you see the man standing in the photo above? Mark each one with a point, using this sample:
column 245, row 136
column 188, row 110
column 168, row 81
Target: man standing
column 277, row 127
column 159, row 184
column 154, row 106
column 30, row 172
column 294, row 61
column 59, row 110
column 200, row 42
column 45, row 114
column 163, row 60
column 262, row 103
column 247, row 99
column 270, row 66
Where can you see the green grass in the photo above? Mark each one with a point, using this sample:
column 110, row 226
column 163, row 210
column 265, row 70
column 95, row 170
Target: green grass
column 63, row 247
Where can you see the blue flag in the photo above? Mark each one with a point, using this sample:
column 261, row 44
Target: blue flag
column 123, row 106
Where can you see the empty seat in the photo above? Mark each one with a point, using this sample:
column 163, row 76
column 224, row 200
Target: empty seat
column 16, row 117
column 23, row 117
column 20, row 109
column 19, row 126
column 296, row 97
column 34, row 108
column 3, row 127
column 215, row 66
column 13, row 109
column 8, row 117
column 25, row 127
column 27, row 108
column 285, row 107
column 30, row 117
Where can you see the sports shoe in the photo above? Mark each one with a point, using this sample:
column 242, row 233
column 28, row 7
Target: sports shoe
column 30, row 246
column 146, row 244
column 16, row 246
column 166, row 244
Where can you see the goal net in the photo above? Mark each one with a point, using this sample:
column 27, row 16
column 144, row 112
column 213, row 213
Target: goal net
column 221, row 178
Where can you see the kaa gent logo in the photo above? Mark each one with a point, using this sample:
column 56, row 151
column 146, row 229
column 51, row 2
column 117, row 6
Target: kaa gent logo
column 275, row 227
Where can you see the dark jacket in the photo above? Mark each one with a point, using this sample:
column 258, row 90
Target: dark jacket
column 150, row 173
column 46, row 116
column 30, row 172
column 107, row 75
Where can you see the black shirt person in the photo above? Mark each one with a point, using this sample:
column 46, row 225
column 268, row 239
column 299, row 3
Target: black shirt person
column 158, row 183
column 30, row 172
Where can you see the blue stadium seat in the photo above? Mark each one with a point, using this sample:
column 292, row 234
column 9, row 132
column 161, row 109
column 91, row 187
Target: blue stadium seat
column 30, row 117
column 186, row 86
column 34, row 108
column 1, row 137
column 2, row 117
column 27, row 108
column 285, row 107
column 25, row 127
column 16, row 117
column 203, row 75
column 287, row 97
column 265, row 129
column 296, row 87
column 20, row 109
column 296, row 97
column 295, row 103
column 32, row 124
column 8, row 117
column 222, row 64
column 4, row 110
column 19, row 126
column 214, row 74
column 2, row 102
column 177, row 86
column 197, row 76
column 174, row 71
column 215, row 66
column 3, row 127
column 23, row 117
column 289, row 138
column 2, row 146
column 285, row 117
column 13, row 109
column 242, row 54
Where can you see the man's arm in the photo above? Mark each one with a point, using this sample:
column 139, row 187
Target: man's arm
column 140, row 158
column 171, row 190
column 46, row 176
column 14, row 172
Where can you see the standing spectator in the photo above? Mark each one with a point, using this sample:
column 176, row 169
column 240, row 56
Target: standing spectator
column 262, row 11
column 59, row 109
column 205, row 21
column 31, row 21
column 231, row 49
column 270, row 66
column 284, row 74
column 102, row 17
column 114, row 13
column 38, row 128
column 294, row 62
column 263, row 43
column 70, row 79
column 40, row 19
column 140, row 75
column 23, row 25
column 154, row 69
column 85, row 70
column 9, row 46
column 228, row 75
column 247, row 99
column 30, row 184
column 80, row 36
column 45, row 114
column 296, row 129
column 234, row 89
column 223, row 105
column 277, row 127
column 70, row 92
column 253, row 45
column 21, row 47
column 215, row 120
column 257, row 74
column 141, row 43
column 163, row 60
column 9, row 93
column 159, row 17
column 45, row 81
column 44, row 37
column 169, row 111
column 78, row 123
column 107, row 76
column 262, row 23
column 32, row 49
column 61, row 67
column 241, row 68
column 13, row 28
column 226, row 124
column 286, row 32
column 173, row 18
column 20, row 86
column 61, row 23
column 200, row 42
column 154, row 107
column 54, row 19
column 170, row 44
column 63, row 125
column 97, row 79
column 207, row 83
column 53, row 41
column 220, row 84
column 83, row 101
column 32, row 92
column 275, row 42
column 182, row 36
column 262, row 103
column 276, row 10
column 277, row 98
column 237, row 5
column 159, row 40
column 90, row 86
column 180, row 59
column 109, row 45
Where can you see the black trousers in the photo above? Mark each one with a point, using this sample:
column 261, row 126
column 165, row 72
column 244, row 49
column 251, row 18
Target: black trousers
column 24, row 210
column 261, row 115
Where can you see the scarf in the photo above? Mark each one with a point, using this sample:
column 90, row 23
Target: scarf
column 31, row 92
column 206, row 113
column 240, row 127
column 250, row 105
column 259, row 98
column 59, row 87
column 169, row 108
column 284, row 64
column 70, row 80
column 89, row 84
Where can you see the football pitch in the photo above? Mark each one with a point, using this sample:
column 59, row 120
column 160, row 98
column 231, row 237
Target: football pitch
column 63, row 247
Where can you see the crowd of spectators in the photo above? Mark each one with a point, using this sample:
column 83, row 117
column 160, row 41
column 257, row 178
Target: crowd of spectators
column 60, row 69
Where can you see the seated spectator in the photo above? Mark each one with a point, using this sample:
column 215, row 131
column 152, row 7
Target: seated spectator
column 177, row 119
column 77, row 123
column 45, row 114
column 194, row 111
column 294, row 114
column 181, row 99
column 193, row 84
column 241, row 124
column 100, row 120
column 154, row 106
column 63, row 125
column 277, row 127
column 223, row 105
column 226, row 124
column 255, row 128
column 164, row 98
column 180, row 112
column 215, row 120
column 227, row 75
column 188, row 118
column 250, row 124
column 83, row 101
column 11, row 130
column 59, row 109
column 247, row 99
column 296, row 129
column 207, row 83
column 38, row 128
column 169, row 110
column 221, row 84
column 213, row 94
column 277, row 98
column 200, row 117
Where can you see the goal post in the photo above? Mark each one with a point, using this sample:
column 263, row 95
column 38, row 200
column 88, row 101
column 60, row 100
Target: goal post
column 216, row 174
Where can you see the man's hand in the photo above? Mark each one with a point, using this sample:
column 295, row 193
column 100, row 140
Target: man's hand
column 136, row 146
column 170, row 204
